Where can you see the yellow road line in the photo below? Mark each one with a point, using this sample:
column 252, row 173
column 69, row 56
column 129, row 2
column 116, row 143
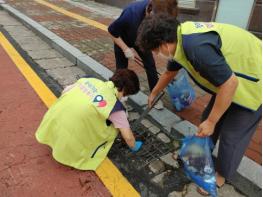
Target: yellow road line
column 109, row 174
column 73, row 15
column 41, row 89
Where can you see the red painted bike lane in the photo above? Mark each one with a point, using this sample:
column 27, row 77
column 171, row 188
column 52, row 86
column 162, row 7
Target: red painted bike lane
column 27, row 167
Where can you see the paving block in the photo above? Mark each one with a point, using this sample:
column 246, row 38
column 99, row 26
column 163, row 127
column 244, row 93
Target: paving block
column 163, row 138
column 146, row 123
column 140, row 99
column 133, row 116
column 21, row 33
column 26, row 40
column 227, row 190
column 16, row 29
column 65, row 76
column 35, row 45
column 157, row 166
column 54, row 63
column 128, row 108
column 175, row 194
column 5, row 20
column 144, row 190
column 165, row 118
column 159, row 179
column 44, row 54
column 245, row 169
column 169, row 160
column 154, row 130
column 185, row 128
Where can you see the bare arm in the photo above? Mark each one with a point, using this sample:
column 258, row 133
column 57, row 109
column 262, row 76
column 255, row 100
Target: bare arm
column 68, row 88
column 128, row 137
column 118, row 41
column 128, row 52
column 223, row 100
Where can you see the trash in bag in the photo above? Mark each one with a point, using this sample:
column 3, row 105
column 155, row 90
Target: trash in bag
column 195, row 154
column 180, row 91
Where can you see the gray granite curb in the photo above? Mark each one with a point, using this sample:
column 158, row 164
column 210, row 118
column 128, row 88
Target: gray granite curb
column 169, row 121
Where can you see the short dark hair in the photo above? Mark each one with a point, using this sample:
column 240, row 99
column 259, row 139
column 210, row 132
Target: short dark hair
column 165, row 6
column 127, row 81
column 156, row 30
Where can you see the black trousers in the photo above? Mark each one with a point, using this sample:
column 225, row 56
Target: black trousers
column 234, row 130
column 148, row 62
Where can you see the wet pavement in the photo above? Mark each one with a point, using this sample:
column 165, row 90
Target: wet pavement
column 150, row 170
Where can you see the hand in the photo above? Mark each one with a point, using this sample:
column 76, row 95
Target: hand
column 68, row 88
column 206, row 128
column 129, row 54
column 137, row 147
column 132, row 55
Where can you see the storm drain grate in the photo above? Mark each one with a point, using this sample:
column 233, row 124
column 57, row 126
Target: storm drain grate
column 152, row 148
column 135, row 166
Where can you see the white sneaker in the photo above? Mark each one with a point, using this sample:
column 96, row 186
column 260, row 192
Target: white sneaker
column 159, row 105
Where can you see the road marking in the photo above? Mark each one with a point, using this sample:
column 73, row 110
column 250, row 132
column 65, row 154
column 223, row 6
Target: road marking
column 40, row 88
column 75, row 16
column 109, row 174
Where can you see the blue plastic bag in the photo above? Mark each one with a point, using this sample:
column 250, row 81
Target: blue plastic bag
column 195, row 154
column 180, row 91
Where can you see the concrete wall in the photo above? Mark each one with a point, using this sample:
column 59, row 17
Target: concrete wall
column 235, row 12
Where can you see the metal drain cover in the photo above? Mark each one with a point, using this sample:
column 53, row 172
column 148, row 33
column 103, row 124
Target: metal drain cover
column 152, row 148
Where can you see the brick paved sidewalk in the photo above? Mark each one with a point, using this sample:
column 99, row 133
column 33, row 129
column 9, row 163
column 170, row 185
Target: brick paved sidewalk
column 97, row 44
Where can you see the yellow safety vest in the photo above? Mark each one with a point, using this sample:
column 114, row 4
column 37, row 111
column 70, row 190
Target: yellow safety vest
column 243, row 53
column 75, row 126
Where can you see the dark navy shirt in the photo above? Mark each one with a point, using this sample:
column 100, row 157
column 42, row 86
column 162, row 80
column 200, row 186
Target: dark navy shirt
column 202, row 50
column 126, row 26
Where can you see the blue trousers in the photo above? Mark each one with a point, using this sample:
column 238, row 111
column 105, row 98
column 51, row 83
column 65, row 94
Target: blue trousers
column 234, row 130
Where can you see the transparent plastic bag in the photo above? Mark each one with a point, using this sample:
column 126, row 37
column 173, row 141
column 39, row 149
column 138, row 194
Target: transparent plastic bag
column 195, row 154
column 180, row 91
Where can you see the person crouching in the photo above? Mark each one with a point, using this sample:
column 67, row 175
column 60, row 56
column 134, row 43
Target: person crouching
column 83, row 123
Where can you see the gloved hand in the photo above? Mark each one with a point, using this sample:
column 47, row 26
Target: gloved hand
column 129, row 54
column 138, row 145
